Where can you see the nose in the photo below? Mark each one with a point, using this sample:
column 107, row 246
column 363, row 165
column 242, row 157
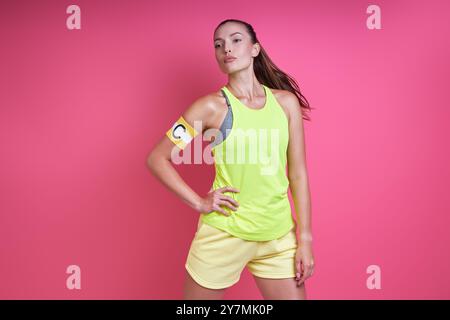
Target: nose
column 227, row 50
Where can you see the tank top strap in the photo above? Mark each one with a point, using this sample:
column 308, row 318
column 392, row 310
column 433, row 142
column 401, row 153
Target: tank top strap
column 269, row 96
column 226, row 98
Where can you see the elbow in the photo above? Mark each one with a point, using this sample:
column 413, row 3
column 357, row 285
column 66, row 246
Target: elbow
column 155, row 161
column 295, row 178
column 298, row 175
column 151, row 161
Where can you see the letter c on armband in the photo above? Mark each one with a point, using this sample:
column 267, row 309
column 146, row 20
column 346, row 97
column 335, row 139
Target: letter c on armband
column 181, row 133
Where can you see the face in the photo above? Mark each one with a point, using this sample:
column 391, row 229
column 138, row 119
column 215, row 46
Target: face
column 232, row 40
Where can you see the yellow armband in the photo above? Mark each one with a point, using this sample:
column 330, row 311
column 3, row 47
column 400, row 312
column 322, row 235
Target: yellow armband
column 181, row 133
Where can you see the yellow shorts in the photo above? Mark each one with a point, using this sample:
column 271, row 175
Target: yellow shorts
column 217, row 258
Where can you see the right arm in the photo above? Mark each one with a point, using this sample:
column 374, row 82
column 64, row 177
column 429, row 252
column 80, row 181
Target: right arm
column 160, row 164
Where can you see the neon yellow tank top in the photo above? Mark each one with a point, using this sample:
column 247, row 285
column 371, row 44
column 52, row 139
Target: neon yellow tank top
column 253, row 158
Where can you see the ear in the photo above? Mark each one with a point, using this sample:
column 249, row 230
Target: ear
column 256, row 49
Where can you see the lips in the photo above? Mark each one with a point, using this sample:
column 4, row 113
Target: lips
column 229, row 59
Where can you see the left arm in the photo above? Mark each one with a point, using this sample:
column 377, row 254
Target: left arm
column 299, row 185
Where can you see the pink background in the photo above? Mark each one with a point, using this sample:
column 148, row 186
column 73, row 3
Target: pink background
column 81, row 109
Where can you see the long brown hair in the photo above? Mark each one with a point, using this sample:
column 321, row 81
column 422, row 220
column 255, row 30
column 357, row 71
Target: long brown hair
column 269, row 74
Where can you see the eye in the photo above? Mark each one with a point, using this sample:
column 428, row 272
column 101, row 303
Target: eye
column 217, row 45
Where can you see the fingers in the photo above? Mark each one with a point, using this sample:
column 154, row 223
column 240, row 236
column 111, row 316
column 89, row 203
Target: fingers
column 304, row 275
column 219, row 209
column 226, row 200
column 229, row 188
column 299, row 271
column 231, row 200
column 226, row 203
column 304, row 271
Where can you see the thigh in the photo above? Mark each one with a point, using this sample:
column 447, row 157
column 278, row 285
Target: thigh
column 194, row 291
column 216, row 258
column 280, row 289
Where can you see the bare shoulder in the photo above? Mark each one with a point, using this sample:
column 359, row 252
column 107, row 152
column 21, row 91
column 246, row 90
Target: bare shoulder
column 206, row 109
column 216, row 101
column 288, row 101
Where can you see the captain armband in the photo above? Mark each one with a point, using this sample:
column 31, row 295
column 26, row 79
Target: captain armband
column 181, row 133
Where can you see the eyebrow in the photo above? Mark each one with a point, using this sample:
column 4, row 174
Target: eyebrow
column 230, row 36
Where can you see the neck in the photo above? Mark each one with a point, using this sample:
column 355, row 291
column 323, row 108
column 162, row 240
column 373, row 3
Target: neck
column 245, row 86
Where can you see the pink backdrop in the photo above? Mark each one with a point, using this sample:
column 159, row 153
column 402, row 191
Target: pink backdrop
column 80, row 110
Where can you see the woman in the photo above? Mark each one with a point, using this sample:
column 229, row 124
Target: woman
column 252, row 224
